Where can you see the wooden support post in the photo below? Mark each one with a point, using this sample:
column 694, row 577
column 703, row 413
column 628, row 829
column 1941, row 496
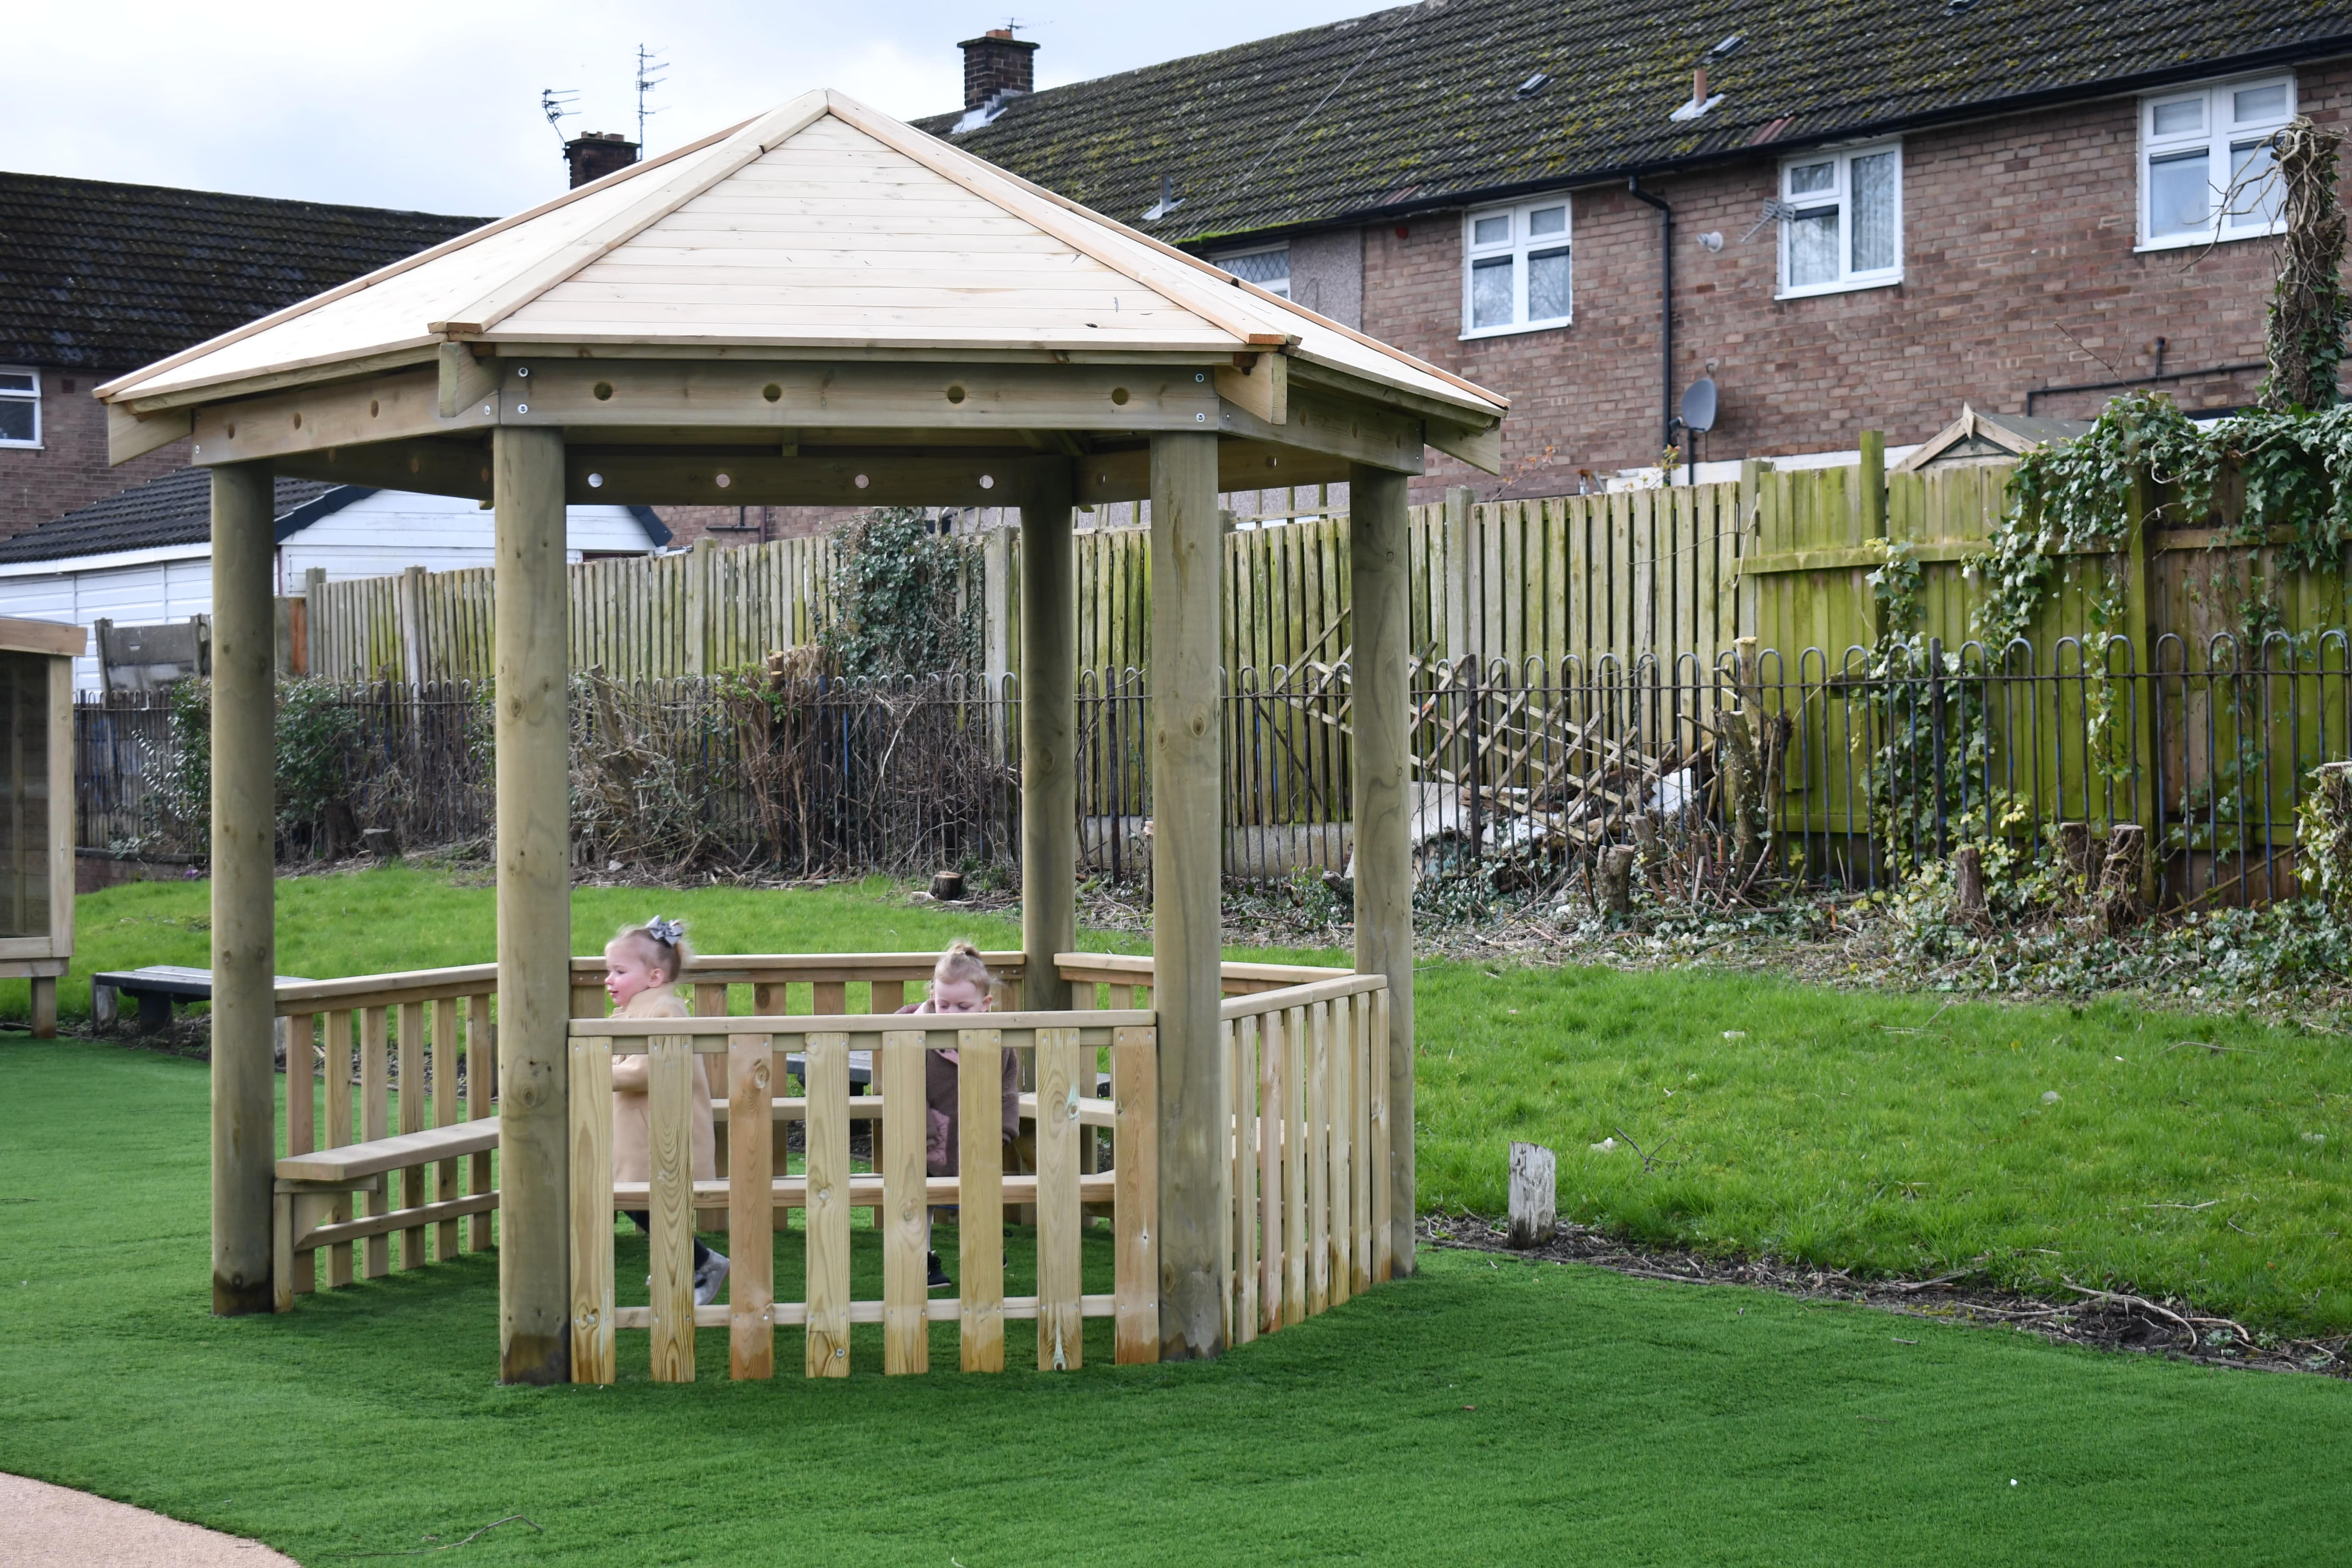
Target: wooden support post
column 532, row 628
column 1378, row 549
column 45, row 1006
column 1186, row 856
column 245, row 959
column 314, row 598
column 1049, row 728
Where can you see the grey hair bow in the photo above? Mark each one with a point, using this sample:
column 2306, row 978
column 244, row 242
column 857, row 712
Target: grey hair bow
column 666, row 933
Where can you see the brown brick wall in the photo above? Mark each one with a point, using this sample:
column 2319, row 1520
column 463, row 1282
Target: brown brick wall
column 2017, row 232
column 69, row 468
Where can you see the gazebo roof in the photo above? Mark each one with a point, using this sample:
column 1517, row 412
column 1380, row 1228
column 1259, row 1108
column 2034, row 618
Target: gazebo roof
column 760, row 315
column 823, row 224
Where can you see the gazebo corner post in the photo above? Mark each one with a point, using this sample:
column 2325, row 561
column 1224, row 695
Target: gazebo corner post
column 531, row 637
column 1379, row 554
column 244, row 866
column 1187, row 859
column 1049, row 726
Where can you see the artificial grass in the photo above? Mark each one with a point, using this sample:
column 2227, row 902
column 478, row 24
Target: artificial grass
column 1856, row 1128
column 1490, row 1410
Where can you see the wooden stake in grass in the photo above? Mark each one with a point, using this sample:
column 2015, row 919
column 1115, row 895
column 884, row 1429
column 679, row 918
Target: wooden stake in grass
column 1534, row 1213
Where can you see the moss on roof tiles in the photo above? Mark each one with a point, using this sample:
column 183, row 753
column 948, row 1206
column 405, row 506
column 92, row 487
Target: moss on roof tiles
column 1416, row 106
column 99, row 276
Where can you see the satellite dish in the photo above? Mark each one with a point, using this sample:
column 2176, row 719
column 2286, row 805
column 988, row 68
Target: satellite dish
column 1698, row 405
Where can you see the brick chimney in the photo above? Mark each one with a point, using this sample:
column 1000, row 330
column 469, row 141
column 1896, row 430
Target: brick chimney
column 997, row 62
column 594, row 154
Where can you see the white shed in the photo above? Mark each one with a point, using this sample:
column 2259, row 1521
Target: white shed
column 144, row 556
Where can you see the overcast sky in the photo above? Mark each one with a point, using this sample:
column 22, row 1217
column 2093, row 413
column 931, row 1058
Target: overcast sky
column 434, row 104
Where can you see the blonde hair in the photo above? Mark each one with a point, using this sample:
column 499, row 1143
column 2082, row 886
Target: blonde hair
column 663, row 944
column 961, row 960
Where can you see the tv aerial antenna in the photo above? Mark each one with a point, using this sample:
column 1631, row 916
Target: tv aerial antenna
column 648, row 62
column 556, row 104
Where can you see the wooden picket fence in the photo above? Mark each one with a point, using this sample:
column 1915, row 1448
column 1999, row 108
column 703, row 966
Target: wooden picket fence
column 1572, row 576
column 1307, row 1228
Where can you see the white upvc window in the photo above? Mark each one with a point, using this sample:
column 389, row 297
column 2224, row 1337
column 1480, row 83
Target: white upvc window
column 1841, row 220
column 20, row 407
column 1268, row 267
column 1514, row 268
column 2206, row 161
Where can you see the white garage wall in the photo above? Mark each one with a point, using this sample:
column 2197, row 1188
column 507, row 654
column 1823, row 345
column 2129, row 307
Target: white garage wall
column 375, row 536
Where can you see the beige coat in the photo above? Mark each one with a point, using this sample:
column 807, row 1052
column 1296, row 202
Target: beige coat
column 633, row 1106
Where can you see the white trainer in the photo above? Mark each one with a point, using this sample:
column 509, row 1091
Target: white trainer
column 709, row 1278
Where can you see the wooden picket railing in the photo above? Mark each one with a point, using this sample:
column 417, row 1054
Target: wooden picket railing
column 1307, row 1057
column 406, row 1178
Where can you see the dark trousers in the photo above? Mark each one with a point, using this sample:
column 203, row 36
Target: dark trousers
column 701, row 1252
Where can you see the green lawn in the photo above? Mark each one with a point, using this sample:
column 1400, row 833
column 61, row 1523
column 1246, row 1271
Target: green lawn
column 1490, row 1411
column 1874, row 1130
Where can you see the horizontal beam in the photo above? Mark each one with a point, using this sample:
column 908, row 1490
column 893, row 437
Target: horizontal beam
column 708, row 1032
column 1336, row 427
column 864, row 1191
column 1121, row 476
column 784, row 395
column 1481, row 449
column 433, row 468
column 129, row 435
column 1307, row 373
column 884, row 479
column 938, row 1309
column 396, row 406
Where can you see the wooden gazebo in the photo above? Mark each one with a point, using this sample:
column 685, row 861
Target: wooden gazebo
column 821, row 306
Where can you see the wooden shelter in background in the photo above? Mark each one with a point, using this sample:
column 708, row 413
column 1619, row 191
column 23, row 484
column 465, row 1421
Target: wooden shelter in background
column 36, row 807
column 821, row 306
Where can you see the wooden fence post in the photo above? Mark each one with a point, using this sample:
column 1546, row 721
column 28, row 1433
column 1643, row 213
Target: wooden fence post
column 2139, row 596
column 534, row 909
column 314, row 611
column 244, row 935
column 1459, row 643
column 698, row 568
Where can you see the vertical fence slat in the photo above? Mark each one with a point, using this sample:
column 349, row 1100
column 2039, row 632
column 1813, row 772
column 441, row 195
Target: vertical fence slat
column 301, row 1130
column 375, row 1117
column 592, row 1357
column 1135, row 1160
column 905, row 1239
column 1341, row 1083
column 342, row 1257
column 669, row 1085
column 827, row 1081
column 750, row 1208
column 1318, row 1158
column 1243, row 1077
column 444, row 1111
column 980, row 1195
column 481, row 1054
column 1061, row 1331
column 413, row 1101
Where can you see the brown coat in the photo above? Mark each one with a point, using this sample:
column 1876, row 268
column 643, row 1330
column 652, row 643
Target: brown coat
column 632, row 1105
column 943, row 1144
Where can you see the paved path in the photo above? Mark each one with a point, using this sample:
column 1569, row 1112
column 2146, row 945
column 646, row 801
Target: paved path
column 50, row 1527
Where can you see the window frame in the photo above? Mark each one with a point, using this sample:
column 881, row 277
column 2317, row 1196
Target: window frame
column 33, row 397
column 2216, row 139
column 1517, row 249
column 1848, row 281
column 1225, row 259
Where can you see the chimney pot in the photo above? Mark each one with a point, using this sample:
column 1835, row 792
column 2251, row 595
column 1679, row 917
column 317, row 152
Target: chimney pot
column 997, row 64
column 593, row 154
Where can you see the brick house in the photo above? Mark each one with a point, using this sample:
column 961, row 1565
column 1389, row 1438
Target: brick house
column 1870, row 216
column 98, row 279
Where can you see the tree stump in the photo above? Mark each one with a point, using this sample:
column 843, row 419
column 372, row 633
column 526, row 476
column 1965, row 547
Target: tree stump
column 2119, row 877
column 1617, row 880
column 1969, row 888
column 2077, row 851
